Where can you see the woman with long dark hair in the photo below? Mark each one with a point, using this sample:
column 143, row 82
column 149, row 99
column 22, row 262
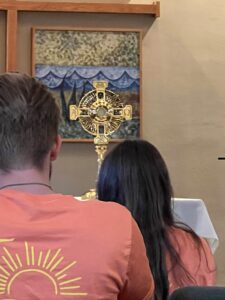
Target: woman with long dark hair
column 135, row 175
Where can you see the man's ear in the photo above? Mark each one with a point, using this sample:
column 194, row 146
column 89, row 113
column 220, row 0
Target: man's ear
column 56, row 148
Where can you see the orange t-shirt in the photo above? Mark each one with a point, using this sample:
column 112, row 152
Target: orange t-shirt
column 56, row 247
column 198, row 261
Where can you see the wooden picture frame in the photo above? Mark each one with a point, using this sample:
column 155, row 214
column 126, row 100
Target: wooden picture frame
column 67, row 60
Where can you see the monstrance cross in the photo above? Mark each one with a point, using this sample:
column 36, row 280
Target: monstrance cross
column 100, row 113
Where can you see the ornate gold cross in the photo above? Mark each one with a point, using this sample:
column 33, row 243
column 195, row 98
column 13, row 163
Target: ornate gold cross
column 100, row 113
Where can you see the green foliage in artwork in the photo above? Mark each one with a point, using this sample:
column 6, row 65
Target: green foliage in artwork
column 87, row 48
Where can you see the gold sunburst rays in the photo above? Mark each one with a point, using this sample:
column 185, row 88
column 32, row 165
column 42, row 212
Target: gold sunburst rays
column 46, row 263
column 6, row 240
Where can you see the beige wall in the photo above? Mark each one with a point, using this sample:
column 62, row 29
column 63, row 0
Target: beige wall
column 183, row 96
column 184, row 99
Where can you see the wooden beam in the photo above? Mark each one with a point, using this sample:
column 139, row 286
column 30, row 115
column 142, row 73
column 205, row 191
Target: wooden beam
column 11, row 40
column 157, row 11
column 118, row 8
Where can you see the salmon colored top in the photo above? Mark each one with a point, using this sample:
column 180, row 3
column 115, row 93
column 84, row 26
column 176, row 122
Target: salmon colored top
column 55, row 247
column 198, row 261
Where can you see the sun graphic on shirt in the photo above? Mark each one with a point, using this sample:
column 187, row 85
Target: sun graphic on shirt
column 46, row 263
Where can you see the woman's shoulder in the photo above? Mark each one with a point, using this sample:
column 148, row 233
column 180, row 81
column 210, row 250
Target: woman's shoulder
column 184, row 237
column 195, row 255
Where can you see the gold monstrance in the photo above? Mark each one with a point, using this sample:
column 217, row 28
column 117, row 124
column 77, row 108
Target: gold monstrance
column 100, row 113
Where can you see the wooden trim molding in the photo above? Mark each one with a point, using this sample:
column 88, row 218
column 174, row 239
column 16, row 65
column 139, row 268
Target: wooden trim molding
column 11, row 40
column 157, row 9
column 13, row 7
column 119, row 8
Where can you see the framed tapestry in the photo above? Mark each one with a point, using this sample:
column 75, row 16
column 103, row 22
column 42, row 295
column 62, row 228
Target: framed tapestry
column 68, row 60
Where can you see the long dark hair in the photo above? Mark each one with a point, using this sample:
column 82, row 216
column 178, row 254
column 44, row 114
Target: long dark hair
column 135, row 175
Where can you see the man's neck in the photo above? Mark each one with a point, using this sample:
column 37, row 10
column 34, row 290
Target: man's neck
column 28, row 180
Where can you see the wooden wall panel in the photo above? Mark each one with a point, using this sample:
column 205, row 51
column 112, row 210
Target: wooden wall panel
column 11, row 40
column 2, row 40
